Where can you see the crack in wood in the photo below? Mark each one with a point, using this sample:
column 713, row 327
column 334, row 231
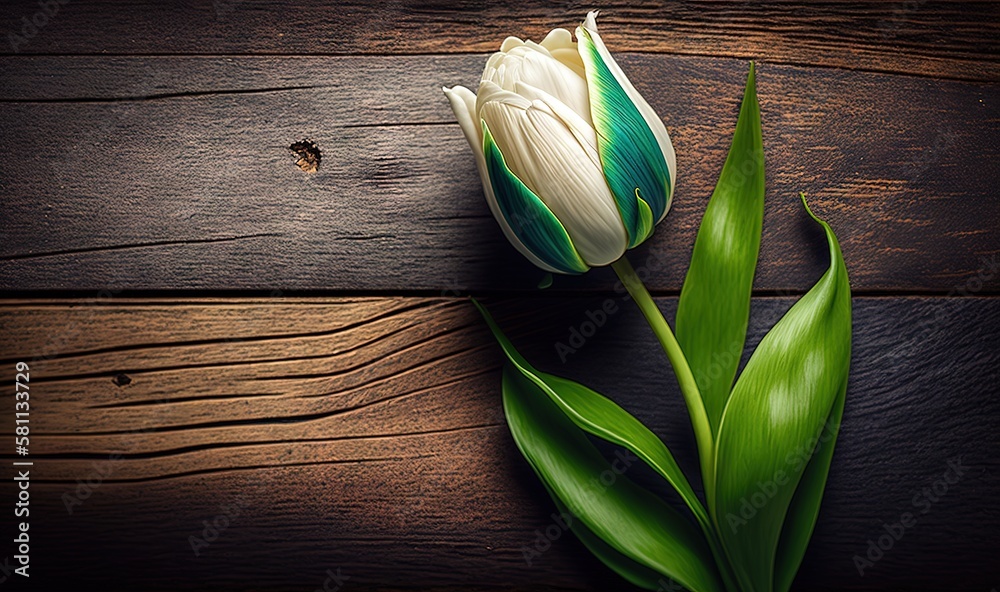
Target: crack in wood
column 412, row 306
column 146, row 245
column 178, row 451
column 303, row 418
column 171, row 95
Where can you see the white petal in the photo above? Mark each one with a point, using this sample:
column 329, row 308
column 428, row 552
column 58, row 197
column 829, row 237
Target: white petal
column 561, row 46
column 532, row 63
column 652, row 119
column 558, row 38
column 537, row 47
column 463, row 103
column 546, row 156
column 558, row 80
column 491, row 92
column 510, row 43
column 582, row 130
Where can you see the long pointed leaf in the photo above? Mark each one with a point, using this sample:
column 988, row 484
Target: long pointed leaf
column 599, row 416
column 596, row 414
column 630, row 520
column 779, row 404
column 804, row 509
column 634, row 572
column 714, row 306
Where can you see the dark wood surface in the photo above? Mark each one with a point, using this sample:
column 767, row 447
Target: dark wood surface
column 227, row 329
column 139, row 170
column 367, row 435
column 934, row 38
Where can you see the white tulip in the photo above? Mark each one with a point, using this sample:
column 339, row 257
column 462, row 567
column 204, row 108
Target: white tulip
column 576, row 166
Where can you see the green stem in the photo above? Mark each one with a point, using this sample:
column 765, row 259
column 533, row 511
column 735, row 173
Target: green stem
column 692, row 398
column 685, row 378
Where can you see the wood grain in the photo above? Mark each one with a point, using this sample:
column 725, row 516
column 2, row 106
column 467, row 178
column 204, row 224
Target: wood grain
column 173, row 173
column 401, row 473
column 940, row 39
column 358, row 432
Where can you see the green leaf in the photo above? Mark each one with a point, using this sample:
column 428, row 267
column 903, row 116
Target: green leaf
column 634, row 572
column 804, row 509
column 597, row 415
column 633, row 523
column 714, row 306
column 779, row 406
column 532, row 222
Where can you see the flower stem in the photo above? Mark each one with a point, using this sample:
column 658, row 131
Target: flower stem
column 692, row 398
column 685, row 378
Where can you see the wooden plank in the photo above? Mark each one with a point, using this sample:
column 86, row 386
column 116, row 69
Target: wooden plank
column 174, row 173
column 941, row 39
column 274, row 413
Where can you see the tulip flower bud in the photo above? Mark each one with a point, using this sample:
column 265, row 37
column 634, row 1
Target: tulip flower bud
column 576, row 166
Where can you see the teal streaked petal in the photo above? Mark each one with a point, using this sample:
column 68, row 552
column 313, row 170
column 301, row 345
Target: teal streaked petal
column 530, row 219
column 631, row 157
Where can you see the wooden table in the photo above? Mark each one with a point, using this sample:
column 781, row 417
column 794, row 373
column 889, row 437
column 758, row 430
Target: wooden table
column 218, row 337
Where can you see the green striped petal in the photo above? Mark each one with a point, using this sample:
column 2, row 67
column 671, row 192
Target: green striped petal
column 634, row 165
column 532, row 222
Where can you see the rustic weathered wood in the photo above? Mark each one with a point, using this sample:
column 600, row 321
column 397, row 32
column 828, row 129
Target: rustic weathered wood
column 366, row 435
column 174, row 173
column 942, row 39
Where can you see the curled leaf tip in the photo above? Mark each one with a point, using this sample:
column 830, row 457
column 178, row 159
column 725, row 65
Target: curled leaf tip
column 805, row 204
column 836, row 257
